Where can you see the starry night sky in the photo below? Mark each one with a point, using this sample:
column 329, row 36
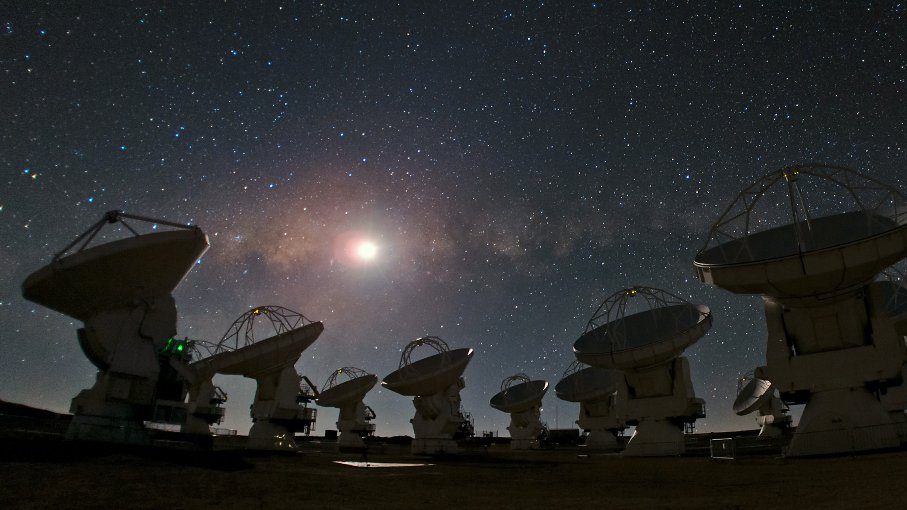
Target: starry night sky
column 514, row 162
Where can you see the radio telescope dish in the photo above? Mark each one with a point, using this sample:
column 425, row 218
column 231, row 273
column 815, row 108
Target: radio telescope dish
column 646, row 345
column 429, row 375
column 811, row 255
column 602, row 396
column 519, row 393
column 583, row 383
column 347, row 395
column 435, row 383
column 650, row 337
column 522, row 398
column 815, row 272
column 753, row 395
column 239, row 353
column 336, row 393
column 276, row 412
column 759, row 395
column 107, row 276
column 121, row 291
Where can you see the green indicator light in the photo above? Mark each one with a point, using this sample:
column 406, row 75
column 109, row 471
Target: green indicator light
column 168, row 346
column 175, row 346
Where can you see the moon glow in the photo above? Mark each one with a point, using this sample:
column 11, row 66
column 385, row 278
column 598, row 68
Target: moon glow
column 366, row 250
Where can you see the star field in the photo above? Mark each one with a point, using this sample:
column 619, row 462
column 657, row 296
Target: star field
column 514, row 163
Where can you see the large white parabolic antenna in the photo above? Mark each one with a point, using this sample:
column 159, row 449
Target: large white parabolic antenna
column 602, row 396
column 121, row 291
column 647, row 345
column 345, row 389
column 831, row 339
column 435, row 382
column 106, row 276
column 522, row 398
column 759, row 395
column 276, row 411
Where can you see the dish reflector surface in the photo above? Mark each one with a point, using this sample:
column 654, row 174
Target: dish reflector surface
column 429, row 375
column 272, row 353
column 111, row 275
column 588, row 384
column 814, row 252
column 642, row 339
column 351, row 391
column 755, row 393
column 520, row 397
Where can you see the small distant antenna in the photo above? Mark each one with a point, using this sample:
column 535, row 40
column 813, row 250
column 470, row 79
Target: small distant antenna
column 345, row 389
column 522, row 398
column 758, row 395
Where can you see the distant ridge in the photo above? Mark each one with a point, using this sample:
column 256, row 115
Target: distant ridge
column 13, row 409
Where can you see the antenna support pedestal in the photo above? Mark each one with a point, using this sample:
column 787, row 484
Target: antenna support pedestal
column 602, row 397
column 354, row 423
column 203, row 408
column 846, row 419
column 830, row 365
column 895, row 401
column 600, row 439
column 126, row 340
column 655, row 438
column 662, row 414
column 604, row 419
column 436, row 421
column 525, row 428
column 276, row 412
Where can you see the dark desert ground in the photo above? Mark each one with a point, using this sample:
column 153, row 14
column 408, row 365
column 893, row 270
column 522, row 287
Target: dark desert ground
column 497, row 479
column 38, row 469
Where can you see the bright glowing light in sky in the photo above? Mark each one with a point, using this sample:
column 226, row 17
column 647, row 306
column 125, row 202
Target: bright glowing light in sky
column 366, row 250
column 356, row 248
